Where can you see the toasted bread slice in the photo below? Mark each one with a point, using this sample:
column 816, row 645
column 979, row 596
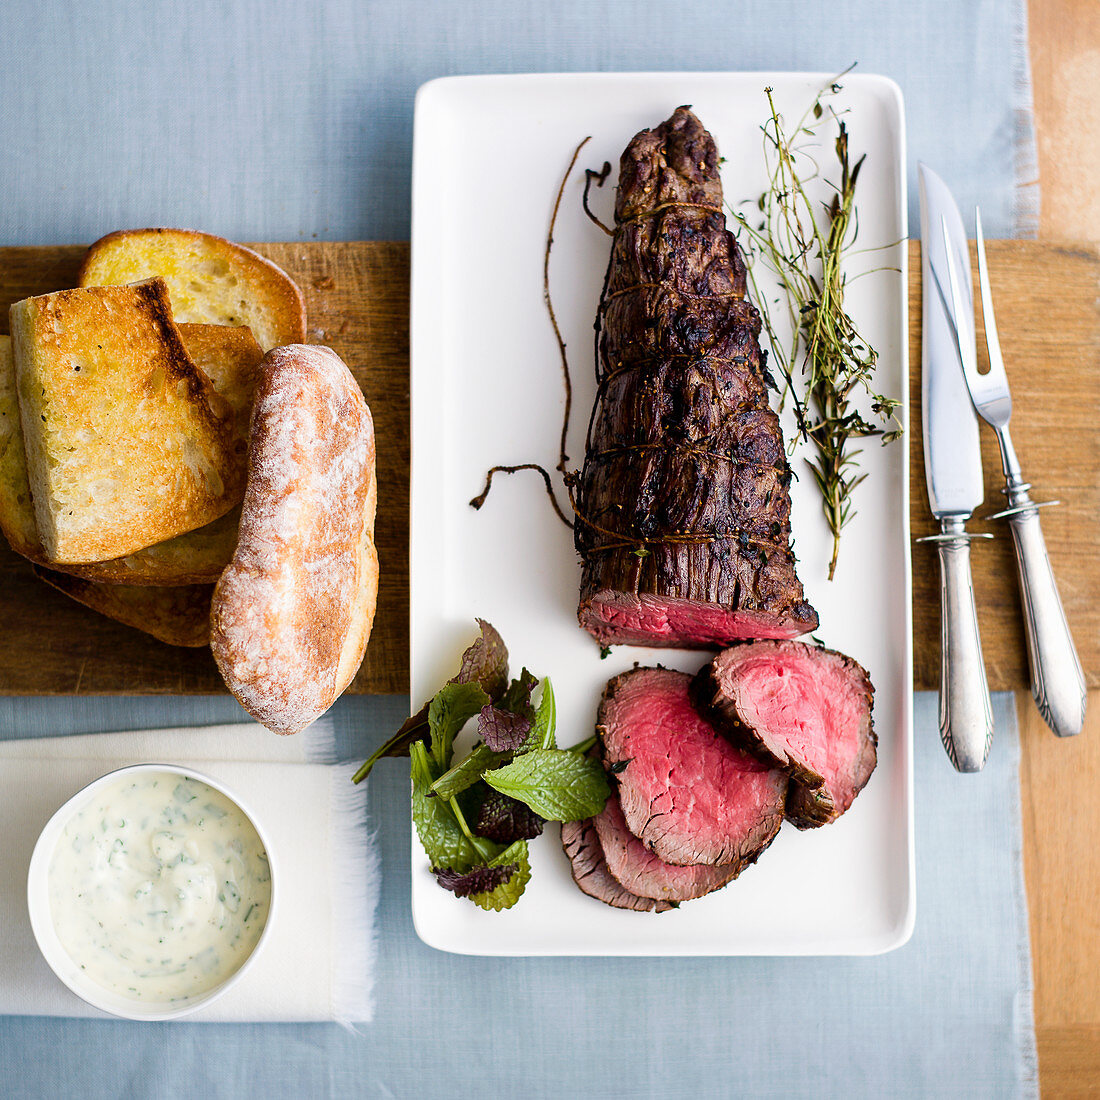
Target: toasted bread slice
column 231, row 357
column 176, row 616
column 210, row 280
column 127, row 442
column 16, row 509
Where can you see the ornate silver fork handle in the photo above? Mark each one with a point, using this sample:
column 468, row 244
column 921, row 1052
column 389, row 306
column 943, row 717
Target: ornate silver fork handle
column 1057, row 680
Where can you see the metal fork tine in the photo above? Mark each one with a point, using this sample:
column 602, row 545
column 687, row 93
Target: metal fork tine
column 966, row 353
column 992, row 343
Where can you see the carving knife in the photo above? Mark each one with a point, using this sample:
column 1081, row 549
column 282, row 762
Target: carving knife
column 953, row 471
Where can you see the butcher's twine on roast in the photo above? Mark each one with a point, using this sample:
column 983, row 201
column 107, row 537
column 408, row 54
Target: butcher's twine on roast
column 683, row 502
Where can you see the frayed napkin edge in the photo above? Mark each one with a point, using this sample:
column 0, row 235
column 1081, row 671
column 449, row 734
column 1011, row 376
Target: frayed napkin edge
column 355, row 855
column 1028, row 193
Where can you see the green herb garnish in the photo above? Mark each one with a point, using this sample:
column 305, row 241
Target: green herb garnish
column 484, row 663
column 557, row 784
column 804, row 241
column 513, row 780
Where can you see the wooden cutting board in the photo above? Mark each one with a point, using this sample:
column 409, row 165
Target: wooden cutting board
column 357, row 301
column 1048, row 313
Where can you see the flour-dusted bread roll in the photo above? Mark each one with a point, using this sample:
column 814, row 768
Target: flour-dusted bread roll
column 293, row 611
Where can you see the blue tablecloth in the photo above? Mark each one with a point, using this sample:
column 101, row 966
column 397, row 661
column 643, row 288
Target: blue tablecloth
column 277, row 121
column 948, row 1015
column 270, row 120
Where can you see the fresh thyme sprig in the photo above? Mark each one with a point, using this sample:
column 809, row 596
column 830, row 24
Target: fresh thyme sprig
column 804, row 242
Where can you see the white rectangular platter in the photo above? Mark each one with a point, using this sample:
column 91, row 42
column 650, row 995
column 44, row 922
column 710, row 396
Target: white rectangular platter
column 489, row 154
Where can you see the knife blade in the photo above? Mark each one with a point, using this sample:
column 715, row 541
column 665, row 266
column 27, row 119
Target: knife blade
column 953, row 472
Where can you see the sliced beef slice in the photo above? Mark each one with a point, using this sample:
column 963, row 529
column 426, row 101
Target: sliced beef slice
column 685, row 791
column 644, row 874
column 590, row 872
column 797, row 707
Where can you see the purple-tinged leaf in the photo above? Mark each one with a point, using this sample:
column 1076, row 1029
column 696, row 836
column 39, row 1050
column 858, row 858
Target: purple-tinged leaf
column 506, row 820
column 479, row 880
column 517, row 698
column 507, row 893
column 486, row 662
column 501, row 730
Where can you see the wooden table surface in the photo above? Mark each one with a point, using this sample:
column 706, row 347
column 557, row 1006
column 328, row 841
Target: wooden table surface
column 1061, row 821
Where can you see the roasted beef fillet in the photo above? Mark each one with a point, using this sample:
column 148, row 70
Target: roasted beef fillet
column 683, row 501
column 800, row 708
column 632, row 864
column 590, row 873
column 687, row 794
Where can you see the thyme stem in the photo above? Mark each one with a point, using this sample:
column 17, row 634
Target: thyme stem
column 804, row 242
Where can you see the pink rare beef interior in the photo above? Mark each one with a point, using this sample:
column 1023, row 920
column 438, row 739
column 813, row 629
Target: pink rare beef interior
column 644, row 874
column 797, row 707
column 622, row 618
column 685, row 792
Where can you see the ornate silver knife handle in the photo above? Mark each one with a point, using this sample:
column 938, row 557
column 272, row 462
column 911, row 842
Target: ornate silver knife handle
column 966, row 716
column 1057, row 680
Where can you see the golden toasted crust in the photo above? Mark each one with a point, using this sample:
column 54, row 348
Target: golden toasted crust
column 176, row 616
column 210, row 280
column 16, row 509
column 292, row 613
column 127, row 443
column 231, row 357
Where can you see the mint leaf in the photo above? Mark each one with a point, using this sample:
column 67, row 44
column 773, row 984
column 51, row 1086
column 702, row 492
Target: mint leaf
column 449, row 711
column 478, row 880
column 508, row 893
column 485, row 662
column 481, row 759
column 445, row 844
column 546, row 719
column 502, row 730
column 504, row 820
column 468, row 771
column 558, row 784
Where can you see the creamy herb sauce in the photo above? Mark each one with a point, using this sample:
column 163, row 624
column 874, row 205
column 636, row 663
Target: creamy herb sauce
column 159, row 887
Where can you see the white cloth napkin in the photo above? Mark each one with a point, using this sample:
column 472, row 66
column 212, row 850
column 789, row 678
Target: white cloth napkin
column 318, row 961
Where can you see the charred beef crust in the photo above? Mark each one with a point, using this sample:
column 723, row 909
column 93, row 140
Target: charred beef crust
column 590, row 873
column 809, row 802
column 685, row 459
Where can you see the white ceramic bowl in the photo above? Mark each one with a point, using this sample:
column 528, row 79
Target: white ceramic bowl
column 42, row 924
